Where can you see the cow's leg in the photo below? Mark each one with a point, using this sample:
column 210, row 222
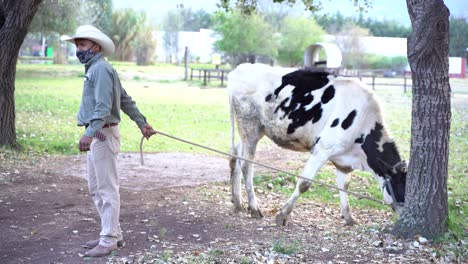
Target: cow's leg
column 236, row 172
column 250, row 131
column 248, row 151
column 342, row 180
column 313, row 165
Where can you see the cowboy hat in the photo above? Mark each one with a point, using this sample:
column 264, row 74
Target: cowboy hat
column 93, row 34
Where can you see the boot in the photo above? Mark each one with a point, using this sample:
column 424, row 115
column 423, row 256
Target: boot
column 100, row 251
column 93, row 243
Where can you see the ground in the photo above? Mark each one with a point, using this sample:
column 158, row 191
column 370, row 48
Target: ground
column 176, row 209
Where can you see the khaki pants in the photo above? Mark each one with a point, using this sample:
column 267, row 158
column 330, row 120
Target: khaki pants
column 103, row 183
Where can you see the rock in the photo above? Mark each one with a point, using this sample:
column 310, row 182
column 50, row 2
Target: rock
column 423, row 240
column 391, row 250
column 378, row 243
column 388, row 240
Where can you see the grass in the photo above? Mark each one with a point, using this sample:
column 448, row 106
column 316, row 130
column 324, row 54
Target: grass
column 46, row 112
column 287, row 248
column 47, row 98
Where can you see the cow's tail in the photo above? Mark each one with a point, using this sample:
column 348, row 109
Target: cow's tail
column 235, row 163
column 232, row 160
column 231, row 114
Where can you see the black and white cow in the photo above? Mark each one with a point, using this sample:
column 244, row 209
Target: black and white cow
column 335, row 119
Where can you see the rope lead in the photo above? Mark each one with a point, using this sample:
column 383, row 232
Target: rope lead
column 360, row 196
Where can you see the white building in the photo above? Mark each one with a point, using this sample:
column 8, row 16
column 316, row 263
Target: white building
column 200, row 45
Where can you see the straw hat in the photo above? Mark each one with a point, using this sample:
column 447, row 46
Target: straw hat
column 93, row 34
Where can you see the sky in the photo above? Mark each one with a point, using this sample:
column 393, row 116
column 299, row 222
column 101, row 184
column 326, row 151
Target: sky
column 381, row 9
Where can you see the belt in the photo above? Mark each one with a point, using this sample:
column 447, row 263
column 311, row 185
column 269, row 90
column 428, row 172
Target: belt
column 106, row 125
column 111, row 125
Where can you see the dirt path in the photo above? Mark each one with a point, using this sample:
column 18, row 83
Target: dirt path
column 161, row 170
column 176, row 209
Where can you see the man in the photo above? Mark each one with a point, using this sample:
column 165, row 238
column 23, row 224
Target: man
column 102, row 99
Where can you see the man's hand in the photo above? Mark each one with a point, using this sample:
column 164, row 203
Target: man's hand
column 85, row 143
column 147, row 131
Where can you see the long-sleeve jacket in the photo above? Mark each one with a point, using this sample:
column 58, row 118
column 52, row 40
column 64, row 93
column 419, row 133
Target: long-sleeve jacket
column 103, row 97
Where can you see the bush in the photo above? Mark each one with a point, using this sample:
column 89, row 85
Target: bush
column 374, row 61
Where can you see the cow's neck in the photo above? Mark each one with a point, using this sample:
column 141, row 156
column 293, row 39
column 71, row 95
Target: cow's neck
column 380, row 150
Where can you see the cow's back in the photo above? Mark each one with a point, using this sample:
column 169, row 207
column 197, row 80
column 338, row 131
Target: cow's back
column 254, row 79
column 295, row 108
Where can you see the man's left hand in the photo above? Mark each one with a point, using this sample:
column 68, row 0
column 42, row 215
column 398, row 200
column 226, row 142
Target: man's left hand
column 85, row 143
column 147, row 131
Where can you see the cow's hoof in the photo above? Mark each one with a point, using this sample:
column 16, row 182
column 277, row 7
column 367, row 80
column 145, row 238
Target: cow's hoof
column 281, row 220
column 350, row 222
column 238, row 209
column 257, row 214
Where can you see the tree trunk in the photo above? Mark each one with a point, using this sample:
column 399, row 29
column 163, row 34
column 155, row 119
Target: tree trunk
column 15, row 17
column 426, row 205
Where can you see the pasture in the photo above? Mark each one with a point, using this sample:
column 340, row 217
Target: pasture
column 47, row 99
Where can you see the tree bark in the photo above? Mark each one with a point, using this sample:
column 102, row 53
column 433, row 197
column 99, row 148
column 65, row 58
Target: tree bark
column 426, row 204
column 15, row 17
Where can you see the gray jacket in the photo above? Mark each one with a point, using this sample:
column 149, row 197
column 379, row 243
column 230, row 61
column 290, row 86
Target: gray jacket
column 103, row 97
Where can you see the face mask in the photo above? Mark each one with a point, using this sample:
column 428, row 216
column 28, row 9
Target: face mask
column 85, row 55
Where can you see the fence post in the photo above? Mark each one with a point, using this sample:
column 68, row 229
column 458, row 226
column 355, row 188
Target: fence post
column 404, row 85
column 204, row 77
column 186, row 59
column 222, row 78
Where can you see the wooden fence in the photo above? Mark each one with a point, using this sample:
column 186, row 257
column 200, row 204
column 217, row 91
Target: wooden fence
column 209, row 74
column 375, row 80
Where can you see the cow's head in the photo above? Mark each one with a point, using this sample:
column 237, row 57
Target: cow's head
column 394, row 185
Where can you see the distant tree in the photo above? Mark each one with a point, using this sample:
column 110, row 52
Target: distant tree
column 275, row 13
column 349, row 41
column 334, row 23
column 15, row 18
column 388, row 28
column 458, row 37
column 297, row 33
column 126, row 25
column 173, row 23
column 48, row 23
column 243, row 37
column 50, row 17
column 97, row 13
column 57, row 16
column 144, row 45
column 195, row 20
